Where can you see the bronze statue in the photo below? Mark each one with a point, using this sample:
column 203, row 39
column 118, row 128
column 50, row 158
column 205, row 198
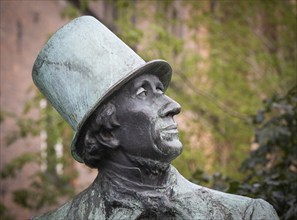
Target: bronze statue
column 125, row 128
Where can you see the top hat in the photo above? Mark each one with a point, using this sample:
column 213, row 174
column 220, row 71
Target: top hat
column 82, row 64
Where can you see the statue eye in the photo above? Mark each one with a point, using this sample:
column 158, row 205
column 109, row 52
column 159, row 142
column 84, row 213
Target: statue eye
column 160, row 90
column 141, row 92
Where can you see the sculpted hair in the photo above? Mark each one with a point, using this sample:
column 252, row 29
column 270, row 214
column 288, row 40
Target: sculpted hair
column 94, row 149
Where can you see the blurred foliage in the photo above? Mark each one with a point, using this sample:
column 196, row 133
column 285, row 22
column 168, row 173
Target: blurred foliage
column 4, row 213
column 252, row 54
column 227, row 57
column 46, row 185
column 271, row 169
column 70, row 12
column 239, row 54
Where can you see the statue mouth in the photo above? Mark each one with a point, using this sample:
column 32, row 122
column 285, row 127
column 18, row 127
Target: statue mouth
column 171, row 129
column 169, row 132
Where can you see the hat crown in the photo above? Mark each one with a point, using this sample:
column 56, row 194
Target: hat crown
column 79, row 64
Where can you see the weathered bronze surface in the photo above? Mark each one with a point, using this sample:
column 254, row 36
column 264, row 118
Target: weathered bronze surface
column 127, row 131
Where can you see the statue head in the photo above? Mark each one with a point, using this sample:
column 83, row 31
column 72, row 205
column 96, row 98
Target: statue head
column 137, row 121
column 110, row 96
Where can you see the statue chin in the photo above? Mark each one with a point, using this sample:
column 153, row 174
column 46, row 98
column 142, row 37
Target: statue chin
column 169, row 150
column 154, row 166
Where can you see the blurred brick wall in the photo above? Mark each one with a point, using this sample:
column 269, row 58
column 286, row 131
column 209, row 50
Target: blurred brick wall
column 25, row 27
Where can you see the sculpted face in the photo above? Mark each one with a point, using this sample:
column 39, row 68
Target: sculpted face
column 145, row 114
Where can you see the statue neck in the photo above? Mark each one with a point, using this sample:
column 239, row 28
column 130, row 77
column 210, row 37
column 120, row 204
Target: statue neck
column 142, row 171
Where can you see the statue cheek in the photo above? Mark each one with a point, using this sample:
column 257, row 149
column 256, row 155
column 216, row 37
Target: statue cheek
column 156, row 130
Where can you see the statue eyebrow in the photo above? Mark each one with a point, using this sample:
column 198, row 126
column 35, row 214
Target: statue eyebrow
column 160, row 85
column 152, row 83
column 142, row 83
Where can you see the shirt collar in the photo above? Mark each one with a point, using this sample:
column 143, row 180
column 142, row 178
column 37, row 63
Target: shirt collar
column 133, row 177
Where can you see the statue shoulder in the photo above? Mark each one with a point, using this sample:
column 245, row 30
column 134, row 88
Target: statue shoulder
column 89, row 202
column 235, row 206
column 60, row 213
column 260, row 209
column 245, row 207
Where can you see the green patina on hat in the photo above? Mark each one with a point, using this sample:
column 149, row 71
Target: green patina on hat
column 82, row 64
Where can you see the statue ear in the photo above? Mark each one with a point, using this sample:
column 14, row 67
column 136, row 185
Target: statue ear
column 107, row 138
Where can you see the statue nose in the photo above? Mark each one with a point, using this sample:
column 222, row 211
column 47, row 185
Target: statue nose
column 169, row 107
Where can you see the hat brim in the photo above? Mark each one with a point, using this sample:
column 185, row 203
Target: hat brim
column 159, row 68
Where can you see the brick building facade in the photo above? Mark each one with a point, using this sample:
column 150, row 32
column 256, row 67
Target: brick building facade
column 25, row 27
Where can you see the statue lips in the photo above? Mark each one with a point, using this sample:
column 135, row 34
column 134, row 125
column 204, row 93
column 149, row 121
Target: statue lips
column 169, row 132
column 170, row 129
column 171, row 146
